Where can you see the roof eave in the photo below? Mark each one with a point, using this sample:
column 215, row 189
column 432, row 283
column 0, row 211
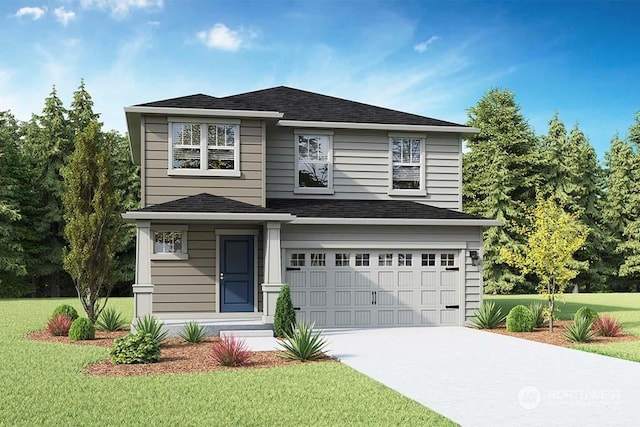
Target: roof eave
column 204, row 112
column 378, row 126
column 206, row 216
column 398, row 221
column 135, row 135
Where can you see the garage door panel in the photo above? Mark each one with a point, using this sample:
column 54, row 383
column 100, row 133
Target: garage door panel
column 343, row 279
column 317, row 279
column 370, row 288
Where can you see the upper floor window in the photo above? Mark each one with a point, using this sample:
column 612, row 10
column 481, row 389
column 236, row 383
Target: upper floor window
column 210, row 148
column 314, row 170
column 407, row 165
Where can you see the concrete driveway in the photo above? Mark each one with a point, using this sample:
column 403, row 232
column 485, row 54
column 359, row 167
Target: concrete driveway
column 477, row 378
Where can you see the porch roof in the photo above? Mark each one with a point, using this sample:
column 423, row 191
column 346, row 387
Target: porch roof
column 308, row 211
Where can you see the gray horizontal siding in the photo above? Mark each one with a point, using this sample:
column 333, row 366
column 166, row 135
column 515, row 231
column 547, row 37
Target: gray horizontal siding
column 361, row 166
column 189, row 286
column 159, row 187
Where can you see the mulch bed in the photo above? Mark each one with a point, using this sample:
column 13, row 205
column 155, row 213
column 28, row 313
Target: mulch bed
column 176, row 356
column 557, row 336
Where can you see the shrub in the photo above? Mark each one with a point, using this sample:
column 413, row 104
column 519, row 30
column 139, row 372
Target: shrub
column 284, row 319
column 230, row 351
column 150, row 325
column 607, row 326
column 587, row 312
column 488, row 316
column 538, row 310
column 579, row 330
column 110, row 320
column 135, row 348
column 303, row 344
column 82, row 329
column 520, row 319
column 67, row 310
column 59, row 325
column 192, row 332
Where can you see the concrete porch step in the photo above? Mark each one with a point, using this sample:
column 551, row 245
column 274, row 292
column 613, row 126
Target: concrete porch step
column 248, row 333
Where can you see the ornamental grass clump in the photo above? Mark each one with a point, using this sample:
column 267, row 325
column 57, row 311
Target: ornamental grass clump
column 520, row 319
column 580, row 330
column 82, row 329
column 488, row 316
column 67, row 310
column 587, row 312
column 538, row 310
column 135, row 348
column 110, row 320
column 59, row 325
column 303, row 344
column 230, row 351
column 150, row 325
column 607, row 326
column 192, row 332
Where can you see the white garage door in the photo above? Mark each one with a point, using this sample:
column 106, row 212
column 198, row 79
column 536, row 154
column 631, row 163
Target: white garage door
column 369, row 288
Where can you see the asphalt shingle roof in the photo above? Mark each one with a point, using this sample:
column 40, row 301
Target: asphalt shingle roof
column 298, row 104
column 312, row 208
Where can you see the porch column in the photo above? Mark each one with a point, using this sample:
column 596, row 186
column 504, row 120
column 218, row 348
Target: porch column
column 272, row 271
column 143, row 288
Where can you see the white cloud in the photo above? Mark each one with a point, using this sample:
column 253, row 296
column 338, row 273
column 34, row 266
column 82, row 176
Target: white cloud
column 34, row 12
column 422, row 47
column 122, row 8
column 64, row 16
column 224, row 38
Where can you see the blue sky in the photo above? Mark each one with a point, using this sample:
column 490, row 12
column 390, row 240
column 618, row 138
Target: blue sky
column 437, row 59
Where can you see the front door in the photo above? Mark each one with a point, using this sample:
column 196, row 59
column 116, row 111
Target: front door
column 236, row 274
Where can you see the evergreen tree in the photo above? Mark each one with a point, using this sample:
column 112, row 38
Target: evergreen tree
column 92, row 219
column 47, row 144
column 556, row 163
column 500, row 174
column 81, row 113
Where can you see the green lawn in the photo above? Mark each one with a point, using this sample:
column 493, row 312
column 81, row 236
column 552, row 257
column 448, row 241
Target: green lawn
column 42, row 384
column 623, row 306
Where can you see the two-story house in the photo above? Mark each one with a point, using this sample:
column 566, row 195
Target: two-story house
column 357, row 207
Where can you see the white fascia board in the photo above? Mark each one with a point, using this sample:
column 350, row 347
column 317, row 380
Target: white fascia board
column 135, row 135
column 206, row 216
column 398, row 221
column 378, row 126
column 203, row 112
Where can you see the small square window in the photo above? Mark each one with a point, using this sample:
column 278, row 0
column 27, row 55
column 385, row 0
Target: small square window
column 318, row 260
column 167, row 242
column 362, row 260
column 385, row 260
column 447, row 260
column 342, row 260
column 404, row 260
column 428, row 260
column 297, row 260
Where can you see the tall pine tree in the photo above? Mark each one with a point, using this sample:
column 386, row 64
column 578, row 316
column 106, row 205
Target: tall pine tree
column 500, row 174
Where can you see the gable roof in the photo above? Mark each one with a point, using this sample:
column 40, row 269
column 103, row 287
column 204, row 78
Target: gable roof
column 206, row 206
column 301, row 105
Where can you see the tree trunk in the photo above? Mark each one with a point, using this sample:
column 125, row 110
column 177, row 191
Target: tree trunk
column 551, row 308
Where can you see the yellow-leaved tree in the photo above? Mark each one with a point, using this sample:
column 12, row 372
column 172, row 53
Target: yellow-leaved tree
column 552, row 239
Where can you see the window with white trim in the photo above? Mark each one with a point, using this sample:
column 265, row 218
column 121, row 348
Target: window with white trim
column 405, row 260
column 385, row 260
column 428, row 260
column 447, row 260
column 342, row 260
column 169, row 243
column 297, row 260
column 362, row 260
column 407, row 165
column 318, row 260
column 204, row 149
column 313, row 162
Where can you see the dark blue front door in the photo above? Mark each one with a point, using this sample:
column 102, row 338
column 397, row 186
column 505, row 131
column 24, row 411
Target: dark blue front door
column 236, row 274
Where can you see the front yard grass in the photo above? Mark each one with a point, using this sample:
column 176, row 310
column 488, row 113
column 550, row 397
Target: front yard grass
column 42, row 384
column 623, row 306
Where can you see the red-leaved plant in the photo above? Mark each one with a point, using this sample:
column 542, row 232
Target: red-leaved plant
column 607, row 326
column 230, row 351
column 59, row 325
